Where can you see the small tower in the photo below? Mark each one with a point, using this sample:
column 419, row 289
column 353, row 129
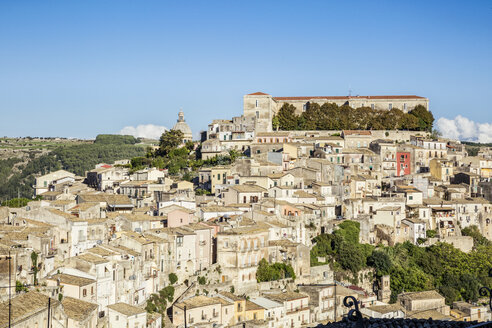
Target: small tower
column 384, row 292
column 182, row 126
column 181, row 116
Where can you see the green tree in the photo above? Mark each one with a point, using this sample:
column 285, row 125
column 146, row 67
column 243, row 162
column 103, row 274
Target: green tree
column 169, row 141
column 330, row 117
column 17, row 202
column 20, row 287
column 310, row 117
column 275, row 123
column 34, row 260
column 173, row 278
column 469, row 286
column 115, row 139
column 380, row 261
column 350, row 231
column 351, row 257
column 233, row 154
column 474, row 231
column 167, row 293
column 275, row 271
column 425, row 117
column 431, row 233
column 287, row 118
column 408, row 122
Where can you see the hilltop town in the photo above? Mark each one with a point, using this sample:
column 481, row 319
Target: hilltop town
column 270, row 220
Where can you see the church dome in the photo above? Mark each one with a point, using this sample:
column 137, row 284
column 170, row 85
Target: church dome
column 182, row 126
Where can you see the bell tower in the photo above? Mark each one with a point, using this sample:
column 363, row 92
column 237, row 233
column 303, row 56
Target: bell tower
column 384, row 292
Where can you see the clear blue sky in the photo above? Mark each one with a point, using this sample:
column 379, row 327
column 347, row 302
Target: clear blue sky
column 79, row 68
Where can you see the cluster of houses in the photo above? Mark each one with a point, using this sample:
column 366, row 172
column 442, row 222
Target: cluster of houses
column 93, row 251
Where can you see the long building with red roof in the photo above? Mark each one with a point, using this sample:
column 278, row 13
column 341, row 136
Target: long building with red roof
column 259, row 107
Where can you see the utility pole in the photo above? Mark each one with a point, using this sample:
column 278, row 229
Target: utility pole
column 49, row 312
column 10, row 288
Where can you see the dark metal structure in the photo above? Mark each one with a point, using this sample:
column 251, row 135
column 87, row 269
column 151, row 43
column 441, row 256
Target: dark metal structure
column 354, row 314
column 484, row 291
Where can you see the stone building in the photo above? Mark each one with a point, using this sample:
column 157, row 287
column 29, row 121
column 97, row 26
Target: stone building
column 259, row 107
column 31, row 310
column 239, row 250
column 122, row 315
column 430, row 301
column 204, row 311
column 80, row 314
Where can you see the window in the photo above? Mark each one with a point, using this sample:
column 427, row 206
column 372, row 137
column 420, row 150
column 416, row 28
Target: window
column 390, row 106
column 84, row 292
column 117, row 317
column 256, row 104
column 405, row 107
column 372, row 106
column 257, row 114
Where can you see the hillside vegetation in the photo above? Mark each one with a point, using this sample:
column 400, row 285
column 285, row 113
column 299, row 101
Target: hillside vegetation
column 18, row 174
column 455, row 274
column 179, row 159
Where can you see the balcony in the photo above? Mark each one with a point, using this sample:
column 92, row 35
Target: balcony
column 150, row 276
column 52, row 252
column 297, row 309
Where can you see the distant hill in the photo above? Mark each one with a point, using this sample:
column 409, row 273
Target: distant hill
column 21, row 160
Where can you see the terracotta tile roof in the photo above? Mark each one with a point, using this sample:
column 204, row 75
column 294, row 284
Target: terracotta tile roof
column 24, row 306
column 231, row 296
column 250, row 306
column 287, row 296
column 126, row 309
column 199, row 301
column 77, row 309
column 72, row 280
column 350, row 97
column 357, row 132
column 258, row 94
column 247, row 188
column 91, row 258
column 425, row 295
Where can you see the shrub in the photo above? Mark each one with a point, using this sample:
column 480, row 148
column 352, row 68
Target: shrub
column 173, row 278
